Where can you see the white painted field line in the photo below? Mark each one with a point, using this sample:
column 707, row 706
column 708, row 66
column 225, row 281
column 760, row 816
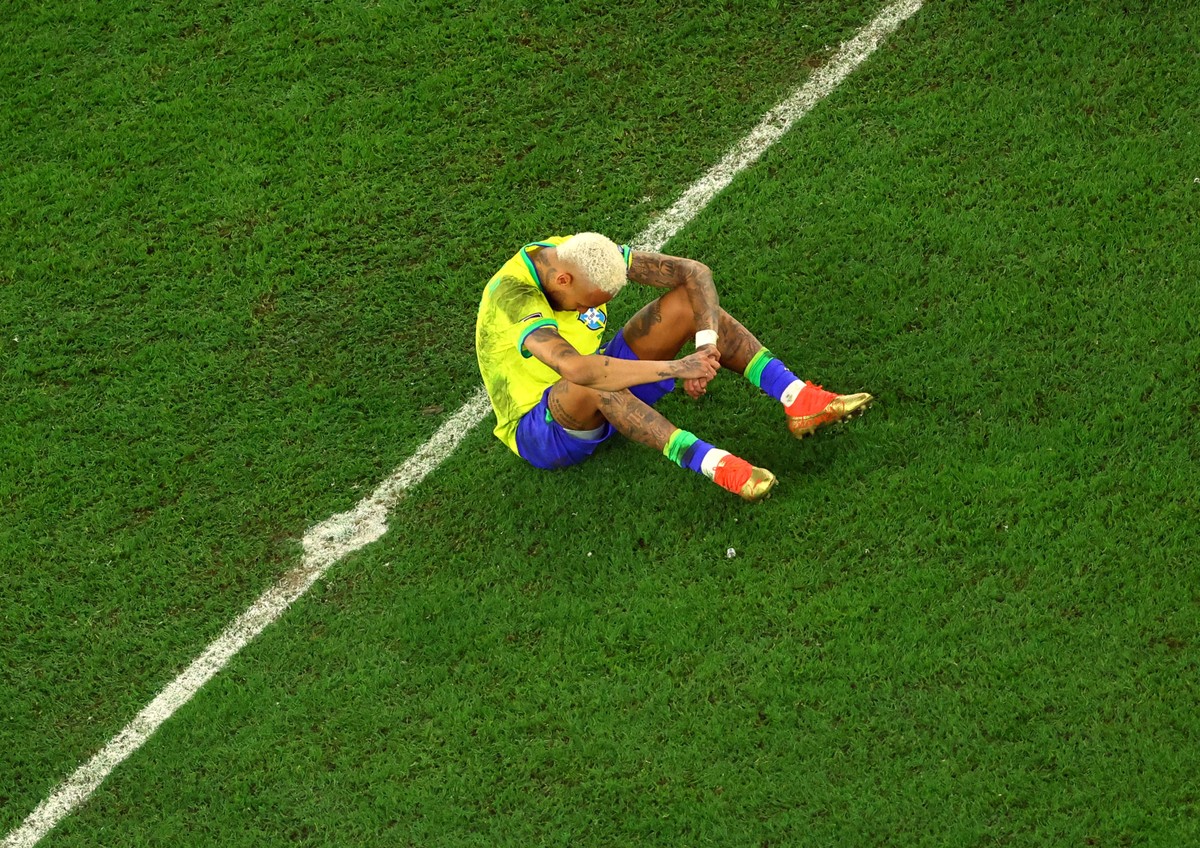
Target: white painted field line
column 341, row 534
column 777, row 122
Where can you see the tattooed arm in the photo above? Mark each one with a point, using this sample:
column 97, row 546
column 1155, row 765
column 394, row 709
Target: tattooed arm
column 672, row 272
column 695, row 278
column 609, row 374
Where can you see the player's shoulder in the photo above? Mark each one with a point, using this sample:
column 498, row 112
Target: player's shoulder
column 516, row 298
column 507, row 283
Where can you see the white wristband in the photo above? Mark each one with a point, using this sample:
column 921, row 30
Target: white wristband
column 706, row 337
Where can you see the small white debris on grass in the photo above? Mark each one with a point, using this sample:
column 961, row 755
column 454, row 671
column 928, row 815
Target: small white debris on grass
column 730, row 553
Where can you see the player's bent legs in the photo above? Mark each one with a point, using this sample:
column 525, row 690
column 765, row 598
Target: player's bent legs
column 571, row 421
column 661, row 328
column 581, row 408
column 544, row 442
column 640, row 422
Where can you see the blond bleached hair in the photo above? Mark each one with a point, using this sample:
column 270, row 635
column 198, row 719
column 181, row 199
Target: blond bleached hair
column 598, row 257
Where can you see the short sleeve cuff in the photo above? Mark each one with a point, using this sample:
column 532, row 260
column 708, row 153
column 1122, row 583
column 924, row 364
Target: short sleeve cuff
column 536, row 325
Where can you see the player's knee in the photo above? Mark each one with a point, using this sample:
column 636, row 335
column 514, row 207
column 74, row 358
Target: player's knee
column 586, row 394
column 573, row 393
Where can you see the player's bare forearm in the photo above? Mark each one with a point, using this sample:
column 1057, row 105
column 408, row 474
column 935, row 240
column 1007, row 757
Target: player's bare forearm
column 663, row 271
column 702, row 293
column 608, row 373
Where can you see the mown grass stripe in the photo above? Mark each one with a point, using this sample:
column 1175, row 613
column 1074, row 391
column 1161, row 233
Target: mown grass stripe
column 344, row 533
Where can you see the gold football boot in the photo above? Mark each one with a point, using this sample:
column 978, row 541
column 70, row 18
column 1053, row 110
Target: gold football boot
column 747, row 481
column 814, row 407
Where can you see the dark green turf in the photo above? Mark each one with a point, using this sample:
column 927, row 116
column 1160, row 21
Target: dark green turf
column 242, row 248
column 968, row 619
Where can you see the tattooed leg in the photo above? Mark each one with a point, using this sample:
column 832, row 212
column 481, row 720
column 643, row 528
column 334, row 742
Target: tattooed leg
column 641, row 423
column 660, row 328
column 663, row 326
column 580, row 408
column 572, row 405
column 738, row 345
column 635, row 420
column 575, row 407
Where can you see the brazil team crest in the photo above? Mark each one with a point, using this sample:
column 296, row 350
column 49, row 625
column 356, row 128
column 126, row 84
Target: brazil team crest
column 594, row 318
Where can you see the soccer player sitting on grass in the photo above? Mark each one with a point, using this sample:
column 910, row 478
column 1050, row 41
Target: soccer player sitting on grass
column 558, row 395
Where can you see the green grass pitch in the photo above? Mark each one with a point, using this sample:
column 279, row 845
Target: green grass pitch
column 241, row 248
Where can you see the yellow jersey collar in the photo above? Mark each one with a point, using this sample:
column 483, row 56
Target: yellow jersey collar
column 529, row 262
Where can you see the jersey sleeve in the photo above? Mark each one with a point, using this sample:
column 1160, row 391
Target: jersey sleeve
column 523, row 308
column 627, row 255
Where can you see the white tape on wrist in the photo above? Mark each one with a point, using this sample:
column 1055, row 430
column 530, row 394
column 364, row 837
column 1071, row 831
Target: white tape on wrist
column 706, row 337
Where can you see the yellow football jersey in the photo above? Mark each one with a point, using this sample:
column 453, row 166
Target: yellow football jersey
column 514, row 304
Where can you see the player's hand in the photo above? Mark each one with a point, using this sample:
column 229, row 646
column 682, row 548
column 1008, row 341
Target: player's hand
column 701, row 366
column 695, row 388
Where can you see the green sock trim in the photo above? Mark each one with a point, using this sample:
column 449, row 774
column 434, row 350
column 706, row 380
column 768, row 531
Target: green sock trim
column 757, row 365
column 678, row 445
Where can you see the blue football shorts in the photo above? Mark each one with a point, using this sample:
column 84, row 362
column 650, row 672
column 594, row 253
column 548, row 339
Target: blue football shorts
column 544, row 443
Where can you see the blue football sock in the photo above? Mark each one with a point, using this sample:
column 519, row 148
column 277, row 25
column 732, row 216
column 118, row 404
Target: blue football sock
column 769, row 374
column 684, row 449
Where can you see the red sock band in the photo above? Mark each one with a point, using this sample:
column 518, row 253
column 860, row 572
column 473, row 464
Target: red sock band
column 811, row 400
column 732, row 473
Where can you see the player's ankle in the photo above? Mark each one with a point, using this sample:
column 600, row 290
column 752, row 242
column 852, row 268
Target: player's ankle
column 731, row 473
column 809, row 400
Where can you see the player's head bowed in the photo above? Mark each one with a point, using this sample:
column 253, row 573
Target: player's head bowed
column 598, row 258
